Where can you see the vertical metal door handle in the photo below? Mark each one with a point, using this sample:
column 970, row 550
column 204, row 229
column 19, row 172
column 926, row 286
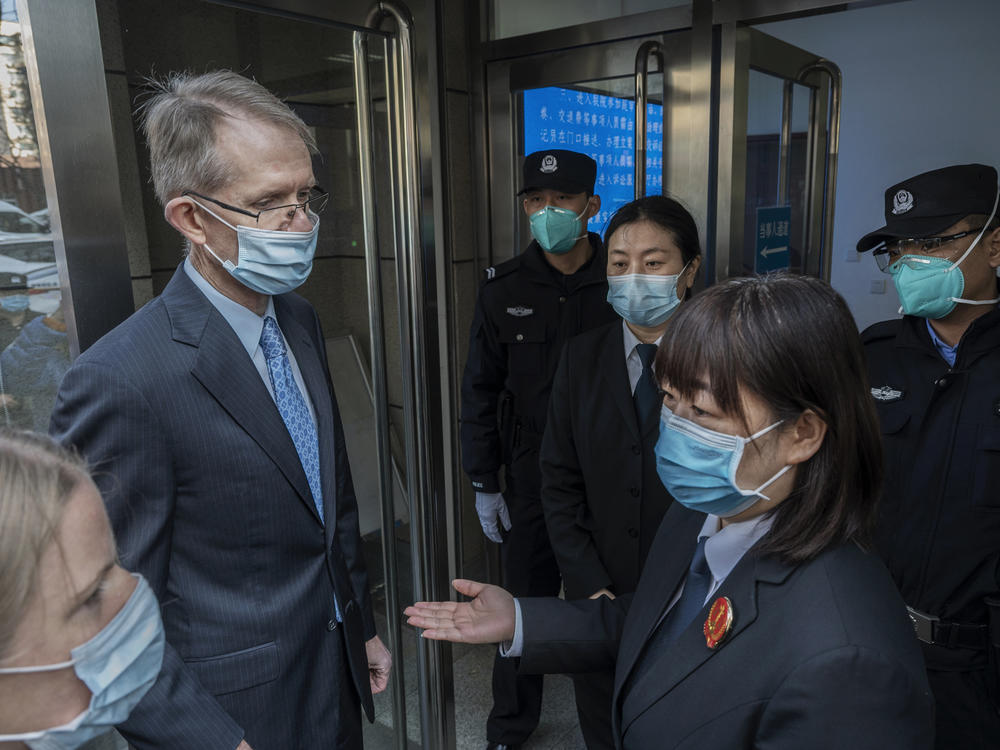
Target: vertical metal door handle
column 641, row 85
column 833, row 149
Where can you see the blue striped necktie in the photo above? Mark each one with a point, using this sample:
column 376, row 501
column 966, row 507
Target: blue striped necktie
column 292, row 407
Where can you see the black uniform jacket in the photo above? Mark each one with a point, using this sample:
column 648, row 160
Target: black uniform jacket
column 525, row 312
column 820, row 655
column 940, row 514
column 602, row 498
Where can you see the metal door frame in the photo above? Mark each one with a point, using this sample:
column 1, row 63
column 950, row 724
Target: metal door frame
column 710, row 84
column 742, row 49
column 63, row 55
column 69, row 98
column 507, row 78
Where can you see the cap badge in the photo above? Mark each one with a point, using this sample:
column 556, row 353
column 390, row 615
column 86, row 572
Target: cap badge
column 719, row 622
column 549, row 164
column 902, row 202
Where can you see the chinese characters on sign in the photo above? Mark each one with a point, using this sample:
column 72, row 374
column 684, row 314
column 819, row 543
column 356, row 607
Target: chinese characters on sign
column 772, row 238
column 603, row 127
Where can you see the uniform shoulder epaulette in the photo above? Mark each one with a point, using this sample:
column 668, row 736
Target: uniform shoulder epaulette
column 501, row 269
column 882, row 330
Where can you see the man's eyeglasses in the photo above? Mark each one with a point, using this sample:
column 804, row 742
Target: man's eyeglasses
column 889, row 252
column 272, row 218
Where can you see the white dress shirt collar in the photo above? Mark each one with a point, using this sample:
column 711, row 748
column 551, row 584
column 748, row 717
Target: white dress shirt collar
column 633, row 364
column 726, row 546
column 245, row 322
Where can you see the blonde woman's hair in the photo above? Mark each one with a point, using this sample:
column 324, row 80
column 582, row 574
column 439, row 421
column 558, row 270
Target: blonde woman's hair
column 37, row 477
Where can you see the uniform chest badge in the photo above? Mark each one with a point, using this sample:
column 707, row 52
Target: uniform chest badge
column 887, row 394
column 520, row 311
column 719, row 622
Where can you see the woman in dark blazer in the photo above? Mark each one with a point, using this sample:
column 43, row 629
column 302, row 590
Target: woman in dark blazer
column 602, row 498
column 770, row 625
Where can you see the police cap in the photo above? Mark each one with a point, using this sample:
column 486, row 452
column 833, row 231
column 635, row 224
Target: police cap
column 557, row 169
column 926, row 205
column 12, row 281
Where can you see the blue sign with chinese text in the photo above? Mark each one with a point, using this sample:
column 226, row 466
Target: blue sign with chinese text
column 772, row 238
column 603, row 127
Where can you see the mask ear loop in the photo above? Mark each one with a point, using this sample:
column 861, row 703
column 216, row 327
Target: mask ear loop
column 965, row 255
column 580, row 216
column 979, row 236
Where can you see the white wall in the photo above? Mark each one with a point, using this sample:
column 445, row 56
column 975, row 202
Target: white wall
column 920, row 92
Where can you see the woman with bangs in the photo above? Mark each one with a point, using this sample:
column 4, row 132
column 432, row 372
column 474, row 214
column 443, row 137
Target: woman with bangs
column 761, row 619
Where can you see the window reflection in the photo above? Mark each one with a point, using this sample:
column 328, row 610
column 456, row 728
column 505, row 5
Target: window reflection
column 34, row 348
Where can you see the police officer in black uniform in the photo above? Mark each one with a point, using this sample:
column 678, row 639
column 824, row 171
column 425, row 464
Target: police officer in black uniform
column 526, row 310
column 935, row 377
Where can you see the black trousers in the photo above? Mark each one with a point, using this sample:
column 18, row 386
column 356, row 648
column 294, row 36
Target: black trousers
column 529, row 570
column 965, row 717
column 594, row 693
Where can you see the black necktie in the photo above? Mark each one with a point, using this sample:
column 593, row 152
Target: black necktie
column 646, row 393
column 696, row 587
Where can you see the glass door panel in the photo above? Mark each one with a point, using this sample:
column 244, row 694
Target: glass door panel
column 777, row 149
column 774, row 165
column 584, row 100
column 34, row 345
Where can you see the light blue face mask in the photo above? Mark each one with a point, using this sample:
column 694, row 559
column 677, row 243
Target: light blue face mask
column 931, row 287
column 118, row 666
column 15, row 303
column 270, row 261
column 556, row 229
column 644, row 299
column 698, row 466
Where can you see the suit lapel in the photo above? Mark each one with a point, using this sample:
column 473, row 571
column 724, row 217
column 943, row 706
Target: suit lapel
column 615, row 373
column 227, row 373
column 662, row 574
column 310, row 362
column 689, row 651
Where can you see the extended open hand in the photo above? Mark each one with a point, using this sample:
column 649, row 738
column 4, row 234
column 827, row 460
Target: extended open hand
column 488, row 618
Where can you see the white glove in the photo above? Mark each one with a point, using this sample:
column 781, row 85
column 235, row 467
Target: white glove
column 490, row 506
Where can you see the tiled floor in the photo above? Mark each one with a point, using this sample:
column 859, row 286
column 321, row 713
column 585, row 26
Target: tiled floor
column 558, row 729
column 473, row 666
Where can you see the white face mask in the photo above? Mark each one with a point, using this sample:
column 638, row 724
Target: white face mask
column 270, row 261
column 118, row 666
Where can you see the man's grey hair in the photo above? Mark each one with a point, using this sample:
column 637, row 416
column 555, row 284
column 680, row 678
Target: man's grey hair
column 179, row 120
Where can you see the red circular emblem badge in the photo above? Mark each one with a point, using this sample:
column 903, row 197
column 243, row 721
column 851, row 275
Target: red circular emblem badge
column 720, row 620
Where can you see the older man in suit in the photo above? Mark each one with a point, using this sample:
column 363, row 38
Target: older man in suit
column 210, row 418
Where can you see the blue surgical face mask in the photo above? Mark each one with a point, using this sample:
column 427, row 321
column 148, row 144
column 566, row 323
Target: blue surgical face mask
column 270, row 261
column 931, row 287
column 15, row 303
column 698, row 466
column 644, row 299
column 118, row 666
column 556, row 229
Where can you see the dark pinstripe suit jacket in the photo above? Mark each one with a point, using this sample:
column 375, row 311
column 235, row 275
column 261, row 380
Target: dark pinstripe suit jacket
column 209, row 501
